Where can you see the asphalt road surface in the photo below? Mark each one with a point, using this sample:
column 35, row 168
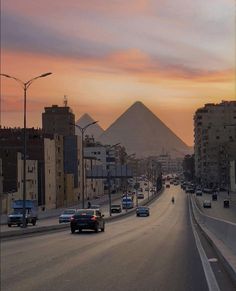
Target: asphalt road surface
column 136, row 253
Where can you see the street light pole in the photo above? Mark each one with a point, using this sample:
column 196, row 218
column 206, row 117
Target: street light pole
column 82, row 130
column 109, row 178
column 25, row 86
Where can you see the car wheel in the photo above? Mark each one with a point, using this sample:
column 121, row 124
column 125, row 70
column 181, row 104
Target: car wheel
column 72, row 230
column 34, row 222
column 80, row 230
column 18, row 224
column 96, row 228
column 9, row 225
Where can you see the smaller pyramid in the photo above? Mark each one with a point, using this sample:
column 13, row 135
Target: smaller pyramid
column 94, row 130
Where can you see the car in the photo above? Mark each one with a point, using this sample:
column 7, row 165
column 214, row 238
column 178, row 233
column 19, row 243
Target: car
column 208, row 190
column 140, row 196
column 176, row 183
column 199, row 193
column 167, row 185
column 142, row 211
column 116, row 208
column 214, row 196
column 127, row 202
column 87, row 219
column 226, row 203
column 207, row 204
column 66, row 215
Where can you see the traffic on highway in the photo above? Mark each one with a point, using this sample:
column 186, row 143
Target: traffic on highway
column 92, row 253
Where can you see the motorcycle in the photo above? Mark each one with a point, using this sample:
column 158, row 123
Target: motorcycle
column 173, row 200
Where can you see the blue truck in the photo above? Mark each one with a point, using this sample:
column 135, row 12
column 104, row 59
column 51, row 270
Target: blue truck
column 16, row 216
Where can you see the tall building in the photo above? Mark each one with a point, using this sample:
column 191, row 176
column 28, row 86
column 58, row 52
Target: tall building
column 58, row 119
column 214, row 142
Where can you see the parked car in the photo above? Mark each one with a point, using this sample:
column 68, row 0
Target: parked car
column 87, row 219
column 142, row 211
column 140, row 195
column 226, row 203
column 207, row 204
column 199, row 193
column 116, row 208
column 167, row 185
column 66, row 215
column 214, row 196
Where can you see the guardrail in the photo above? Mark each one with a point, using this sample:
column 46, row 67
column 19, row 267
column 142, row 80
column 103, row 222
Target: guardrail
column 222, row 229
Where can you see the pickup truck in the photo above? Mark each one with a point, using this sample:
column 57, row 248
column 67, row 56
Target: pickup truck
column 16, row 216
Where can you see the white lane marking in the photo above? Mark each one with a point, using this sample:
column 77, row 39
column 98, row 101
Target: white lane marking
column 210, row 277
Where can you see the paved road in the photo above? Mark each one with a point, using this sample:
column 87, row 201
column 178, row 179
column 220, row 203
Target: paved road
column 217, row 210
column 146, row 254
column 116, row 199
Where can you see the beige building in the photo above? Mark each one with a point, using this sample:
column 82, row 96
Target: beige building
column 60, row 182
column 50, row 173
column 31, row 178
column 31, row 184
column 214, row 142
column 92, row 187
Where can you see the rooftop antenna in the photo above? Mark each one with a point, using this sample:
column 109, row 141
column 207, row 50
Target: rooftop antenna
column 65, row 101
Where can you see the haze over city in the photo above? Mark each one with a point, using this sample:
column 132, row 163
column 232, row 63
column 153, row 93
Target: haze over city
column 174, row 56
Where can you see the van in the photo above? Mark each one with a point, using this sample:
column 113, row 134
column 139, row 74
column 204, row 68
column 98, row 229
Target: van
column 127, row 203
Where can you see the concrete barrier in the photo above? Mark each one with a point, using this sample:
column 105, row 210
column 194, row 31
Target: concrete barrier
column 222, row 229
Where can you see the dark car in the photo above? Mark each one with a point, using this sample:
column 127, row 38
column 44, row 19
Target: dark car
column 226, row 203
column 116, row 208
column 87, row 219
column 214, row 196
column 142, row 211
column 167, row 185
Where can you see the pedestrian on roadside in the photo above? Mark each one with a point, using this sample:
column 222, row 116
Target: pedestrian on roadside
column 89, row 204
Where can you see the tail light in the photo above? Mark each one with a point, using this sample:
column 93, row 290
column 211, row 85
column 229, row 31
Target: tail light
column 72, row 218
column 94, row 218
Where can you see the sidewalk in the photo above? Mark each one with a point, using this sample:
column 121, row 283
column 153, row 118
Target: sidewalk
column 217, row 209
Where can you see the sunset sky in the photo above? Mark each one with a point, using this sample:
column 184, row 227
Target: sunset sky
column 174, row 56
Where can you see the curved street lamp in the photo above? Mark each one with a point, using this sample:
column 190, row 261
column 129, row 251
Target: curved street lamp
column 82, row 130
column 25, row 86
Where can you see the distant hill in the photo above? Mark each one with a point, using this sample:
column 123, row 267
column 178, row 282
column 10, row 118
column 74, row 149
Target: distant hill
column 143, row 133
column 94, row 130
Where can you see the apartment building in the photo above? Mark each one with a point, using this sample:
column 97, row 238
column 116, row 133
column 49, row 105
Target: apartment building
column 214, row 142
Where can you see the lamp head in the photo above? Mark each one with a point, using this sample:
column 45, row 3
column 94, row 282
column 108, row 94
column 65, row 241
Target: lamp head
column 45, row 74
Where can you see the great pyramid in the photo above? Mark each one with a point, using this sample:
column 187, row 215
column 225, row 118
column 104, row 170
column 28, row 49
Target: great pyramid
column 94, row 130
column 143, row 133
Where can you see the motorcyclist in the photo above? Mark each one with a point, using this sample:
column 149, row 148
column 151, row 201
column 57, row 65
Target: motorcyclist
column 173, row 199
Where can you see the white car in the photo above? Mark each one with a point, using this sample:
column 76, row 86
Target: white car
column 66, row 215
column 199, row 193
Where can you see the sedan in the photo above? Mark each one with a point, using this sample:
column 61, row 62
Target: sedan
column 142, row 211
column 116, row 208
column 87, row 219
column 207, row 204
column 140, row 196
column 66, row 215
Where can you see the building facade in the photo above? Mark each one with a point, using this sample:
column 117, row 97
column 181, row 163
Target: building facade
column 214, row 143
column 58, row 119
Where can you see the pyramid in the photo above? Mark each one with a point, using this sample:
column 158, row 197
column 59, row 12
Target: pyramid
column 143, row 133
column 94, row 130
